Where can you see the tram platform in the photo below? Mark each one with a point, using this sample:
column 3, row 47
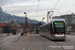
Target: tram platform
column 21, row 43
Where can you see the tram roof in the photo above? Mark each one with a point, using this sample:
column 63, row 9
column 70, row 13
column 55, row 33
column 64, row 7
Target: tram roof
column 58, row 20
column 45, row 24
column 52, row 21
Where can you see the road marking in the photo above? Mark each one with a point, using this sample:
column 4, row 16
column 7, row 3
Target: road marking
column 31, row 42
column 27, row 46
column 4, row 39
column 44, row 44
column 5, row 46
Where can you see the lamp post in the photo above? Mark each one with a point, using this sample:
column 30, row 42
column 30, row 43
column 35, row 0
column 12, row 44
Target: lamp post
column 47, row 16
column 42, row 19
column 26, row 21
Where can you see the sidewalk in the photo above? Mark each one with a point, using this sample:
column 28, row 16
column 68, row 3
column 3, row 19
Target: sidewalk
column 5, row 35
column 71, row 33
column 21, row 43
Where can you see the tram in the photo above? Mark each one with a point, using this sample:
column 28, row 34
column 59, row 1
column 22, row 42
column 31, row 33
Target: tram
column 55, row 30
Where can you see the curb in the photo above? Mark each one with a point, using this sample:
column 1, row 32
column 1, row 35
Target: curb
column 17, row 37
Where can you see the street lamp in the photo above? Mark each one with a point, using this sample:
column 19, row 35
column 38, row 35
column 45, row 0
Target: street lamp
column 26, row 21
column 42, row 19
column 47, row 16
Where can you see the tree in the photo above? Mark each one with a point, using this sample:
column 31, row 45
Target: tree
column 40, row 23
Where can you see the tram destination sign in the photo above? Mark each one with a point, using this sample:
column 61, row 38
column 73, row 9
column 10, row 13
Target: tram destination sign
column 58, row 23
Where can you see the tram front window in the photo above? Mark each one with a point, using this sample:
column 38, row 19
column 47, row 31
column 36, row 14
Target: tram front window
column 59, row 27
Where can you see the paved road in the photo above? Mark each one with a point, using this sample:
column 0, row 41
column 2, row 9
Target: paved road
column 6, row 41
column 37, row 42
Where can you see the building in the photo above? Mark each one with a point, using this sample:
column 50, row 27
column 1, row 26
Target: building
column 12, row 25
column 70, row 21
column 70, row 18
column 2, row 27
column 20, row 28
column 55, row 17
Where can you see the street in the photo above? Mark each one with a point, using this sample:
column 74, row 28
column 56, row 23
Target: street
column 36, row 42
column 37, row 25
column 6, row 41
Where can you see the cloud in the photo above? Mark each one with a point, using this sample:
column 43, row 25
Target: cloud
column 8, row 2
column 18, row 7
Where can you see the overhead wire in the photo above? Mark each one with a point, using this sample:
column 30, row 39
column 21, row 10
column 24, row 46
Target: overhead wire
column 3, row 2
column 1, row 7
column 69, row 10
column 8, row 9
column 37, row 8
column 55, row 5
column 52, row 9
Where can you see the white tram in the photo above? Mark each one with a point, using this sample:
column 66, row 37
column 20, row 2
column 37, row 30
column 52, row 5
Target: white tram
column 55, row 30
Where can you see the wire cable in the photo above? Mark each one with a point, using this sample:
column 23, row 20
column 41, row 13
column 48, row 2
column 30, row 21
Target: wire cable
column 8, row 9
column 37, row 8
column 55, row 5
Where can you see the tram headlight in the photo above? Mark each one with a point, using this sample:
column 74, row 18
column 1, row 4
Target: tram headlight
column 55, row 33
column 62, row 33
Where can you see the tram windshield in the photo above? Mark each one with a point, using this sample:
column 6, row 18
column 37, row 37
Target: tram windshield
column 59, row 27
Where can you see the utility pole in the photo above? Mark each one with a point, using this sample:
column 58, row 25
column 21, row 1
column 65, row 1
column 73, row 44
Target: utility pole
column 47, row 16
column 49, row 12
column 51, row 15
column 26, row 21
column 42, row 19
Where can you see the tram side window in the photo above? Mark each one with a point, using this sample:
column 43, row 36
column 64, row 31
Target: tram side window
column 51, row 30
column 40, row 30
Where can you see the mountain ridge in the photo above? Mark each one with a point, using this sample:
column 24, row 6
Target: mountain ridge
column 7, row 17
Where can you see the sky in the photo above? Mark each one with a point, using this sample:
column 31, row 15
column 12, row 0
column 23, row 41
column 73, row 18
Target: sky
column 18, row 7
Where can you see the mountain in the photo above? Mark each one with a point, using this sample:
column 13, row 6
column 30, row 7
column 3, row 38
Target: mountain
column 1, row 9
column 7, row 17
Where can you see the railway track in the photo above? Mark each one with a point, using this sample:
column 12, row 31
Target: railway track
column 37, row 42
column 30, row 44
column 45, row 45
column 60, row 44
column 33, row 43
column 64, row 44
